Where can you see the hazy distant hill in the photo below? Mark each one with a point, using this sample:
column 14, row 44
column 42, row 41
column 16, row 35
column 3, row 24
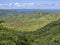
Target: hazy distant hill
column 7, row 12
column 4, row 12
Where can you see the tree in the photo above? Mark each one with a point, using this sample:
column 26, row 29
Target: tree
column 2, row 21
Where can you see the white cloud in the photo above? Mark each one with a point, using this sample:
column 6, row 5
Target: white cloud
column 18, row 4
column 10, row 4
column 27, row 5
column 3, row 5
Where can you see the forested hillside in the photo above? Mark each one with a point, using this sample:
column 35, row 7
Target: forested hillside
column 38, row 28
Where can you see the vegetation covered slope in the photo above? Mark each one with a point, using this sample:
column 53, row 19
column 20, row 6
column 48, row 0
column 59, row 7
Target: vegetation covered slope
column 30, row 22
column 38, row 28
column 47, row 35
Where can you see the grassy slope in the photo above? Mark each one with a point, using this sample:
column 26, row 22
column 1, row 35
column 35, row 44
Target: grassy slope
column 31, row 22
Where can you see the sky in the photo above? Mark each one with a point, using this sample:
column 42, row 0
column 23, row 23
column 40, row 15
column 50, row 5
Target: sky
column 29, row 4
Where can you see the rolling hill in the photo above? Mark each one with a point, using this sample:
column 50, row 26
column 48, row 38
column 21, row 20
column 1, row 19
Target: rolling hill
column 30, row 22
column 39, row 28
column 48, row 35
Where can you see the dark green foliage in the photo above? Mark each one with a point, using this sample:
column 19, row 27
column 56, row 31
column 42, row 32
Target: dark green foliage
column 48, row 35
column 1, row 21
column 10, row 37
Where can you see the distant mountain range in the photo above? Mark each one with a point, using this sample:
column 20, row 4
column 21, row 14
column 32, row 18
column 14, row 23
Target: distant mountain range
column 4, row 12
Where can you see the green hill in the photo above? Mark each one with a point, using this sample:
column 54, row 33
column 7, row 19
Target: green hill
column 30, row 22
column 38, row 28
column 48, row 35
